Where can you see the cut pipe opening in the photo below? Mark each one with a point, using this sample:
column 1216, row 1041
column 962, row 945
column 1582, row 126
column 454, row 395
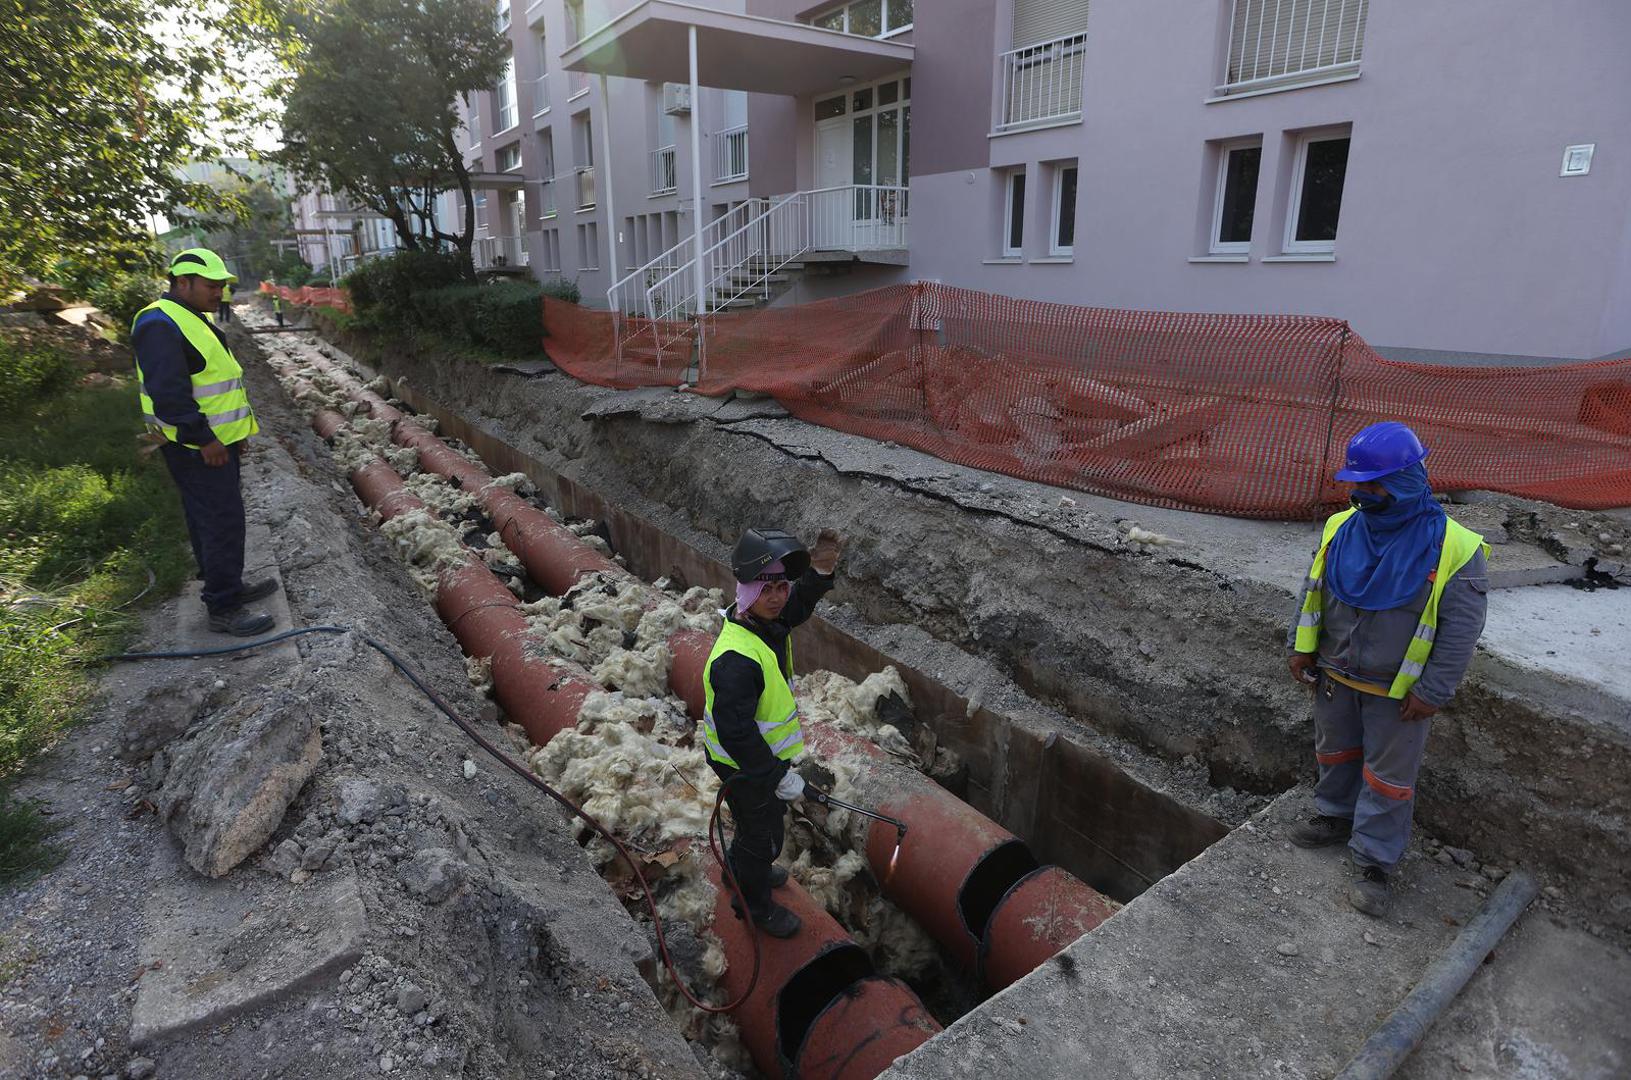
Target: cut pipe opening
column 989, row 881
column 808, row 993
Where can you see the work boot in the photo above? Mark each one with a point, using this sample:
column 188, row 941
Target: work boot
column 1322, row 831
column 1369, row 896
column 240, row 623
column 778, row 922
column 263, row 588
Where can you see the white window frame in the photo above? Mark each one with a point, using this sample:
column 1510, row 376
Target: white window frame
column 1008, row 250
column 883, row 13
column 1216, row 246
column 503, row 15
column 1055, row 248
column 505, row 97
column 497, row 158
column 1294, row 198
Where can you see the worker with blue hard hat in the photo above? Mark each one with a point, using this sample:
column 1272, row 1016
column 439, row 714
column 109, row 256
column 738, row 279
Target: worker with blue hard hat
column 1386, row 625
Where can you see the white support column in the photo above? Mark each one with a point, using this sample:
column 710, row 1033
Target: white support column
column 697, row 276
column 605, row 177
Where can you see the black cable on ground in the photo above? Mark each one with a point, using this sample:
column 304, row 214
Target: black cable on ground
column 716, row 829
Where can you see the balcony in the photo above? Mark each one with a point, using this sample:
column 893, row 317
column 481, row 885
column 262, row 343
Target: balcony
column 664, row 178
column 540, row 96
column 496, row 253
column 1278, row 44
column 577, row 83
column 1042, row 84
column 731, row 154
column 546, row 198
column 586, row 187
column 858, row 217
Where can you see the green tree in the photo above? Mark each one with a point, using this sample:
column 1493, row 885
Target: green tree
column 371, row 112
column 101, row 102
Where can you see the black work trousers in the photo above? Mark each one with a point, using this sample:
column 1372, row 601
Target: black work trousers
column 214, row 506
column 760, row 826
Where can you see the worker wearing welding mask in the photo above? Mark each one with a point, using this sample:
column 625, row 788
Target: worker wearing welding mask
column 1386, row 627
column 750, row 720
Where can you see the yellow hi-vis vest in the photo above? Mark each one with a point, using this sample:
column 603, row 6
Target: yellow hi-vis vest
column 777, row 714
column 1460, row 545
column 218, row 388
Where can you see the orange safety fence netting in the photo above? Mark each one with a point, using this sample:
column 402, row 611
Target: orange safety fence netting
column 312, row 295
column 1234, row 414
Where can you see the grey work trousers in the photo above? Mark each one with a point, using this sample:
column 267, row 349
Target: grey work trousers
column 1368, row 761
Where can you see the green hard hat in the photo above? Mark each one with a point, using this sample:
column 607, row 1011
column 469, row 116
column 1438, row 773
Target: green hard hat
column 202, row 262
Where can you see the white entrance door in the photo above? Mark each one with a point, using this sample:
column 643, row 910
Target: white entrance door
column 831, row 219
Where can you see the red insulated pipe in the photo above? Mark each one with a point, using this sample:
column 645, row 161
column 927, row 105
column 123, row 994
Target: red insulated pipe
column 818, row 1011
column 863, row 1021
column 554, row 556
column 543, row 695
column 847, row 1040
column 949, row 840
column 941, row 887
column 1046, row 911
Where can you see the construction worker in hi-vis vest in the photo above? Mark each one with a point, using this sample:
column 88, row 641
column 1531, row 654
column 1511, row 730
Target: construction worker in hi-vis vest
column 750, row 723
column 1386, row 626
column 192, row 393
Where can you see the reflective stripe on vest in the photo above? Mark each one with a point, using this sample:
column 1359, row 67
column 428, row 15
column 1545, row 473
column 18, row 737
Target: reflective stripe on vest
column 218, row 389
column 1460, row 545
column 777, row 714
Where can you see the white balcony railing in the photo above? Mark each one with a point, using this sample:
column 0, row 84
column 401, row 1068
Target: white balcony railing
column 858, row 217
column 546, row 197
column 577, row 83
column 731, row 154
column 540, row 95
column 664, row 179
column 586, row 187
column 1284, row 42
column 1042, row 83
column 499, row 252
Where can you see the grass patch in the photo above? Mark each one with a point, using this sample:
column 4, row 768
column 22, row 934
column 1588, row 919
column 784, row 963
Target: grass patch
column 24, row 844
column 83, row 519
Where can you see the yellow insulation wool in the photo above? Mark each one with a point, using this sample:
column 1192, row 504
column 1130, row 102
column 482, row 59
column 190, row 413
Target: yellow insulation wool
column 429, row 545
column 853, row 706
column 439, row 495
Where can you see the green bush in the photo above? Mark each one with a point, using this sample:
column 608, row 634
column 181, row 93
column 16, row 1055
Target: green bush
column 122, row 295
column 503, row 317
column 31, row 372
column 562, row 289
column 385, row 287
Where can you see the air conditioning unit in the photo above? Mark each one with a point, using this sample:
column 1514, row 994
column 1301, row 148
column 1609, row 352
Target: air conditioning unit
column 676, row 98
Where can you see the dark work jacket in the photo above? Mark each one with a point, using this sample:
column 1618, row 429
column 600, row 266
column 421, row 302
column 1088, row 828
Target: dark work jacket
column 168, row 362
column 738, row 681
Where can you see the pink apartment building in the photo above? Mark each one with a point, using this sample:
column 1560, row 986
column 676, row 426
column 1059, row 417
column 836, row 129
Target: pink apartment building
column 1453, row 178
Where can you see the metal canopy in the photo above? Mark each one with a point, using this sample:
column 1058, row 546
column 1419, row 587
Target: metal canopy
column 734, row 52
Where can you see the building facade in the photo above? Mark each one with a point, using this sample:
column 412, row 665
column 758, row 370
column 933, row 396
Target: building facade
column 1451, row 178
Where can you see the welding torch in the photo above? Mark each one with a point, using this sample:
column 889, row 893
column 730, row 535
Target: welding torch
column 822, row 798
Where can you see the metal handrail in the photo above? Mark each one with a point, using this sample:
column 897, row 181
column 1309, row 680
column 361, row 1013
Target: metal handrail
column 726, row 143
column 664, row 171
column 1042, row 83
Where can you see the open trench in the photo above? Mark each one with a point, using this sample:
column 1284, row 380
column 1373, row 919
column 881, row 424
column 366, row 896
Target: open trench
column 589, row 626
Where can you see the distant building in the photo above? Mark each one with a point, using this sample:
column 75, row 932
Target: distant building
column 1451, row 178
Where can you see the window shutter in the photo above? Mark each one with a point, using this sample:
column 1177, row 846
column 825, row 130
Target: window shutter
column 1043, row 20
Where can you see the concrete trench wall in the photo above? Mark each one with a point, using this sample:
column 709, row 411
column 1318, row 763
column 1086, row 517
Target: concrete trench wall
column 1180, row 660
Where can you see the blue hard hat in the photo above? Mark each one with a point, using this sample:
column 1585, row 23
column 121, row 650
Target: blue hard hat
column 1381, row 450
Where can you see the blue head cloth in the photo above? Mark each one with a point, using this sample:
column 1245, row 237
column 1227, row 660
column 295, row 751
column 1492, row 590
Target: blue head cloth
column 1381, row 560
